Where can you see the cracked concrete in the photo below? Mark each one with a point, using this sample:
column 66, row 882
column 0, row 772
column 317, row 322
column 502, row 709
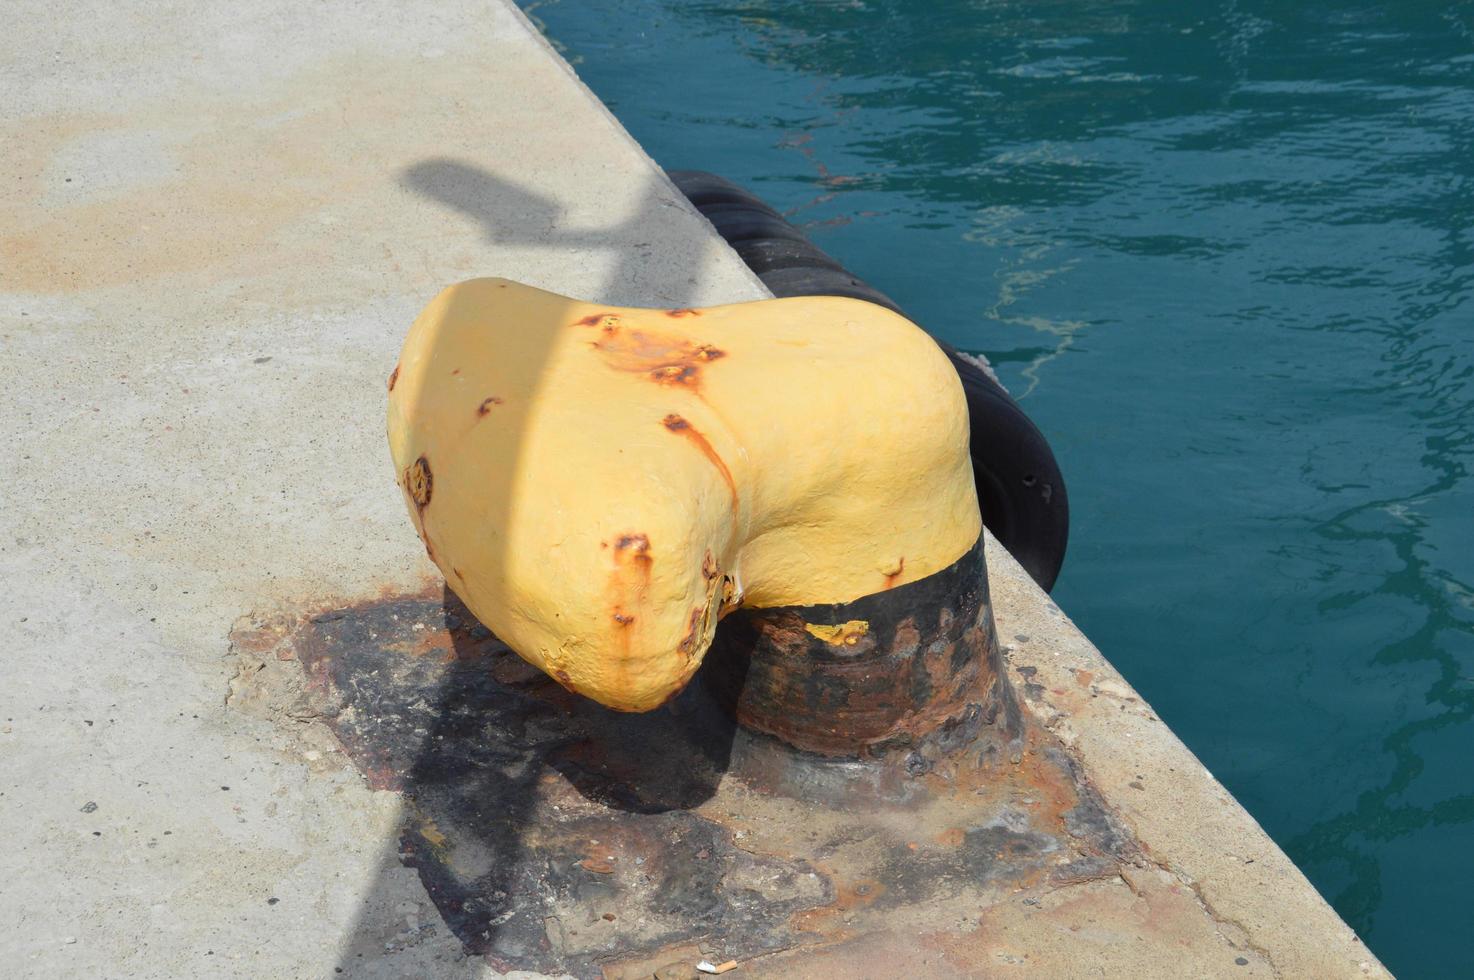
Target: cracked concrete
column 1189, row 826
column 216, row 223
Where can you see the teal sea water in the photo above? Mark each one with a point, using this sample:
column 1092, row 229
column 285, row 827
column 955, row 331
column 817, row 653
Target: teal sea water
column 1224, row 253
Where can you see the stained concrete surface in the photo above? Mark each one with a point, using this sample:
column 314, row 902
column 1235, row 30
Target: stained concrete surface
column 216, row 222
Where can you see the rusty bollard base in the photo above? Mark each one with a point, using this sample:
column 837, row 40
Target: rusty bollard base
column 556, row 835
column 915, row 670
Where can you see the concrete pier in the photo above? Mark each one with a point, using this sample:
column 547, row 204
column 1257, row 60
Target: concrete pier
column 216, row 223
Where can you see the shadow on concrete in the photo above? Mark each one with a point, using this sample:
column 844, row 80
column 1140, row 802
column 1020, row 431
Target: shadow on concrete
column 479, row 747
column 509, row 214
column 486, row 750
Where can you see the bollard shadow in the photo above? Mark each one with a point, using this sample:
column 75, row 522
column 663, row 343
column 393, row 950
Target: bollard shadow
column 487, row 749
column 487, row 746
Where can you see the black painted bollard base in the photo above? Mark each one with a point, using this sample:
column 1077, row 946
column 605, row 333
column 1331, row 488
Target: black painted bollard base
column 891, row 685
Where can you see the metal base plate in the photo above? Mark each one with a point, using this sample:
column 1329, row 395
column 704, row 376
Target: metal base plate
column 555, row 835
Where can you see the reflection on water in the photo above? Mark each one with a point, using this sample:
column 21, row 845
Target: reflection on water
column 1027, row 267
column 1224, row 250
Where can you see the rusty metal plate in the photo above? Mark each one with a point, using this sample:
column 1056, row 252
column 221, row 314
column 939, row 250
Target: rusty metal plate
column 556, row 835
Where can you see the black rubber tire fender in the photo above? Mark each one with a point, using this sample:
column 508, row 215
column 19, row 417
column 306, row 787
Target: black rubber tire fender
column 739, row 223
column 1021, row 490
column 704, row 190
column 824, row 282
column 764, row 255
